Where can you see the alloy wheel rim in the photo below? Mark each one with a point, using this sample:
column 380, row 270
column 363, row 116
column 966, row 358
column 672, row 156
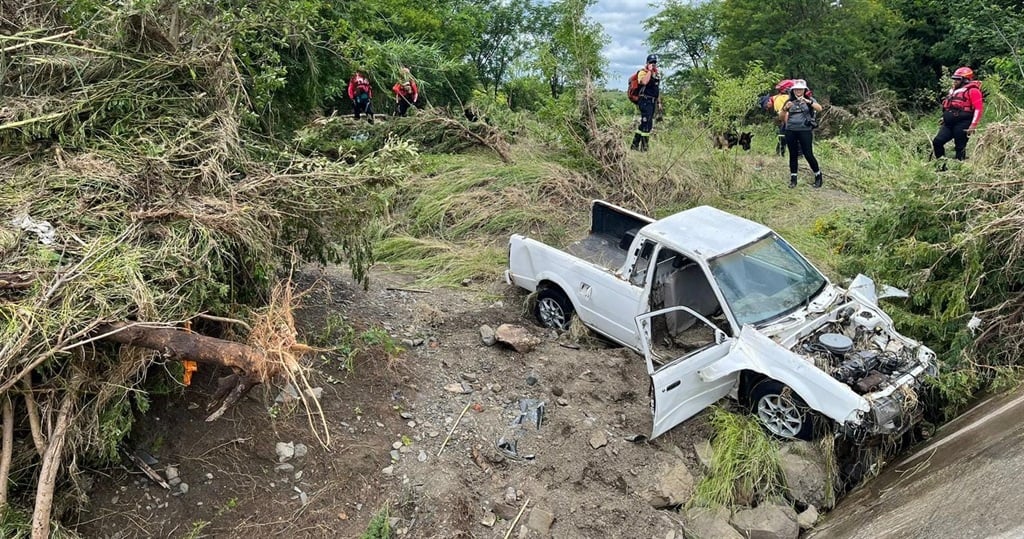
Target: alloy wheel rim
column 780, row 415
column 551, row 313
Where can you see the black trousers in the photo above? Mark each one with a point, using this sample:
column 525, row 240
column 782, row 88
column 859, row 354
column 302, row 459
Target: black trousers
column 954, row 127
column 362, row 107
column 801, row 141
column 647, row 106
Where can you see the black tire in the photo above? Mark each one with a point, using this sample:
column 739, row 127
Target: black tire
column 781, row 411
column 553, row 309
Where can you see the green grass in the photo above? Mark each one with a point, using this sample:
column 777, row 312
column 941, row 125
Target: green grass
column 379, row 526
column 745, row 467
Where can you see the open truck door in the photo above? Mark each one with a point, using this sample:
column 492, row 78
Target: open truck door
column 678, row 391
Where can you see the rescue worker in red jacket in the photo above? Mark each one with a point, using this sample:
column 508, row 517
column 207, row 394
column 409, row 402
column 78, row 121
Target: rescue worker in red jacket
column 360, row 93
column 961, row 113
column 406, row 93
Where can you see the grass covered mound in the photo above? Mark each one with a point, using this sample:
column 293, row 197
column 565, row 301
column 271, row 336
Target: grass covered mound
column 952, row 236
column 137, row 195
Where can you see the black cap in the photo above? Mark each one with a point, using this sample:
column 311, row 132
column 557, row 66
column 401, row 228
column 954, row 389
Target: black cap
column 652, row 58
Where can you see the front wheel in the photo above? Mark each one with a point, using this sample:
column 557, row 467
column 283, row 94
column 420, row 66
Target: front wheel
column 781, row 411
column 553, row 309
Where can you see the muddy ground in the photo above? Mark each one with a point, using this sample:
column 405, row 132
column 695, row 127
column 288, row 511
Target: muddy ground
column 583, row 466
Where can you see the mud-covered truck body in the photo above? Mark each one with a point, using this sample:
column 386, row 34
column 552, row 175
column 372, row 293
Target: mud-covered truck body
column 722, row 306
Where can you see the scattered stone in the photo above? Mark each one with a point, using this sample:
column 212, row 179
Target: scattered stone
column 477, row 407
column 183, row 488
column 303, row 498
column 342, row 516
column 498, row 304
column 314, row 393
column 466, row 282
column 496, row 388
column 506, row 511
column 411, row 424
column 562, row 402
column 767, row 521
column 174, row 482
column 803, row 467
column 598, row 439
column 531, row 380
column 540, row 520
column 407, row 343
column 390, row 470
column 417, row 342
column 487, row 335
column 489, row 519
column 286, row 468
column 510, row 496
column 458, row 388
column 300, row 450
column 557, row 391
column 406, row 415
column 433, row 434
column 285, row 451
column 298, row 475
column 469, row 377
column 394, row 456
column 397, row 445
column 193, row 405
column 404, row 449
column 710, row 523
column 704, row 453
column 209, row 476
column 171, row 472
column 674, row 487
column 422, row 456
column 518, row 337
column 288, row 394
column 808, row 518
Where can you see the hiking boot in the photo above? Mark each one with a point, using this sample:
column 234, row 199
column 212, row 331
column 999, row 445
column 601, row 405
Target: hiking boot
column 792, row 182
column 817, row 180
column 643, row 144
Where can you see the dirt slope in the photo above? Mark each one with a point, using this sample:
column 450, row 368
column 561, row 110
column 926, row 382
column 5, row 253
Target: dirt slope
column 594, row 396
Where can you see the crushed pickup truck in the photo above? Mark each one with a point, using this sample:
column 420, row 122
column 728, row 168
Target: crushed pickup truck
column 722, row 306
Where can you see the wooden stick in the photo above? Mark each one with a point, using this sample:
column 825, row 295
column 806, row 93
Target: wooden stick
column 8, row 449
column 226, row 320
column 416, row 290
column 446, row 438
column 514, row 522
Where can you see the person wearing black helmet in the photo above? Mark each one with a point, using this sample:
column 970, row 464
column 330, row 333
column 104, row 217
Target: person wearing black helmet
column 649, row 79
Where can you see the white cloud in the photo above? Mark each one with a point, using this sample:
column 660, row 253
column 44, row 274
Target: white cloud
column 622, row 21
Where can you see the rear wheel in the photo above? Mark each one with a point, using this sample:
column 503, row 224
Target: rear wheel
column 781, row 411
column 553, row 309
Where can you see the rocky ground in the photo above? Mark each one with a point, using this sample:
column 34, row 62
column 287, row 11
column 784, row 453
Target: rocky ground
column 455, row 437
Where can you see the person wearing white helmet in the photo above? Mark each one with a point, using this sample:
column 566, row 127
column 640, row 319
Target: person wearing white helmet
column 797, row 116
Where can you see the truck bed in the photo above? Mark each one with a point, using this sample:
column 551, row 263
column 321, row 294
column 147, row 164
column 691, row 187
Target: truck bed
column 601, row 248
column 612, row 230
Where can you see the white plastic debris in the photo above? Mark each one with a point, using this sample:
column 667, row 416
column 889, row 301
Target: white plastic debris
column 43, row 229
column 974, row 323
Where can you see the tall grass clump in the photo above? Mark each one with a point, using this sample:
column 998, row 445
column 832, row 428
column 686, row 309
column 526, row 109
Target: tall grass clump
column 745, row 467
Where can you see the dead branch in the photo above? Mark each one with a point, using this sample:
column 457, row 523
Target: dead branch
column 51, row 465
column 7, row 451
column 16, row 281
column 176, row 344
column 225, row 320
column 33, row 417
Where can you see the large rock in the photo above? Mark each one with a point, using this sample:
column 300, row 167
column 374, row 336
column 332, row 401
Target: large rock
column 673, row 488
column 803, row 467
column 517, row 337
column 767, row 521
column 703, row 523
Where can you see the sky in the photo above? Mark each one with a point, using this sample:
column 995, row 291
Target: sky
column 623, row 24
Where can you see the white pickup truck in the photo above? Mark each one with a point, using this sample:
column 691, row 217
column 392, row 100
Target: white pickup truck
column 722, row 306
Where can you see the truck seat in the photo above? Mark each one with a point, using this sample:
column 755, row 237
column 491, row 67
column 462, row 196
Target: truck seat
column 688, row 286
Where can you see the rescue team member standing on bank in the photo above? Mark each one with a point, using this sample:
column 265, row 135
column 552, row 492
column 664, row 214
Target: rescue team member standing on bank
column 961, row 113
column 649, row 78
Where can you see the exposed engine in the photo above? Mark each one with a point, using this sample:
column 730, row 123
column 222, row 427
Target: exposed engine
column 858, row 351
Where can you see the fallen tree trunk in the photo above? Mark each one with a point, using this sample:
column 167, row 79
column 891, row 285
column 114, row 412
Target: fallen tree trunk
column 251, row 365
column 50, row 466
column 177, row 344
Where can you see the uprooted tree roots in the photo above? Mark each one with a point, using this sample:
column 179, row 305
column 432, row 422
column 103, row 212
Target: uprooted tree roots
column 142, row 200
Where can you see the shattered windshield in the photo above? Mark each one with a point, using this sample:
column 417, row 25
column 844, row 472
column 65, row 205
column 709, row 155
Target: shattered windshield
column 765, row 280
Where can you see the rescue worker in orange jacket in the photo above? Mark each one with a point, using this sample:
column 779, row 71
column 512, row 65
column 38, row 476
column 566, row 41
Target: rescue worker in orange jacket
column 961, row 113
column 406, row 93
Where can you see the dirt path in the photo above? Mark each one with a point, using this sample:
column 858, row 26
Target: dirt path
column 585, row 478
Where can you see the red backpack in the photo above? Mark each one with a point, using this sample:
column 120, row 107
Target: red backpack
column 633, row 91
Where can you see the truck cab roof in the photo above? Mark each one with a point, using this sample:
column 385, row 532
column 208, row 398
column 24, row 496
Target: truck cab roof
column 705, row 231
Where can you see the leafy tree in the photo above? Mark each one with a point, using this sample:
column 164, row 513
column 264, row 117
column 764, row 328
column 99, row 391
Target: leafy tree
column 570, row 50
column 685, row 35
column 505, row 37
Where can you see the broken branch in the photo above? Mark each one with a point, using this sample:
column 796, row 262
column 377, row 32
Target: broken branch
column 7, row 451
